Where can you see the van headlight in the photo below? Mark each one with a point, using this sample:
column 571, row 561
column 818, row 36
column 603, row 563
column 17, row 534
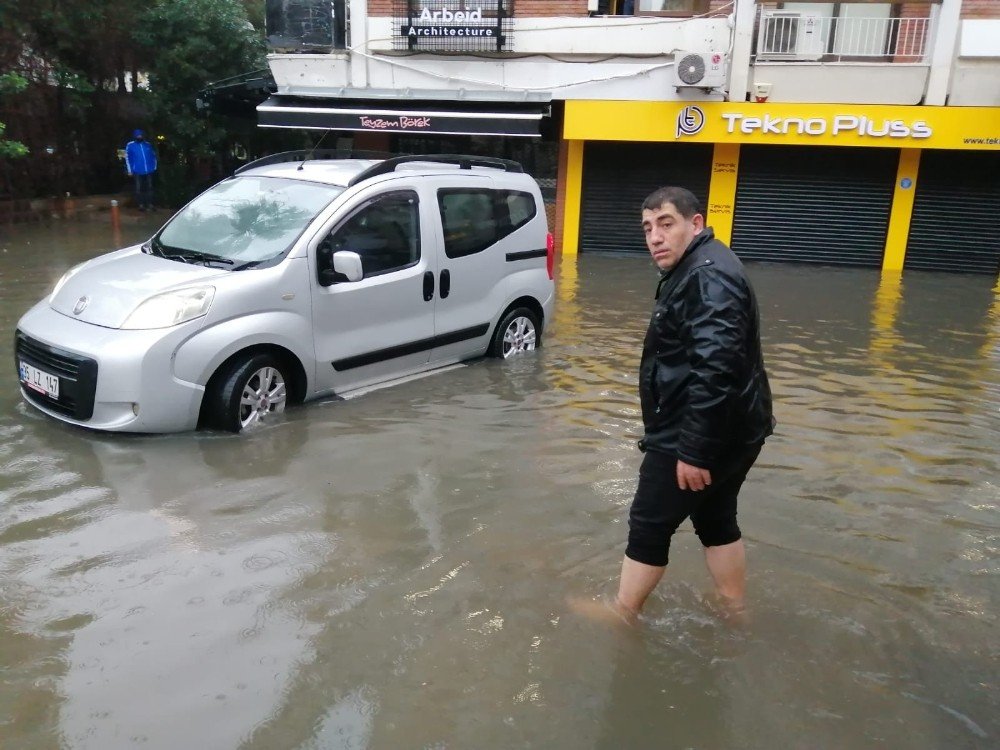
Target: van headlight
column 171, row 308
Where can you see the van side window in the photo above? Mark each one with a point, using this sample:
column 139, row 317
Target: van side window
column 384, row 232
column 520, row 208
column 469, row 220
column 475, row 219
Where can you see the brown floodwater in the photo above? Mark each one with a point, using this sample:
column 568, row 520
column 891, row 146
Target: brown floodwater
column 392, row 571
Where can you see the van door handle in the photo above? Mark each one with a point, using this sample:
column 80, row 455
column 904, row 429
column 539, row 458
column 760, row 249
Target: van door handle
column 445, row 283
column 428, row 286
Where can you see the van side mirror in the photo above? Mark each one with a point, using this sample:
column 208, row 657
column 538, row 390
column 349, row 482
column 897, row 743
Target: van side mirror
column 349, row 264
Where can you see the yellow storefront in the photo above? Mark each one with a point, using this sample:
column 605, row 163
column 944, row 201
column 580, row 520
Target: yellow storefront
column 888, row 186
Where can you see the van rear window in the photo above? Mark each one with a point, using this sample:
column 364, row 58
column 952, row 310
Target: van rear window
column 475, row 219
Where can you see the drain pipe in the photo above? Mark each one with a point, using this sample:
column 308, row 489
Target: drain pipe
column 358, row 39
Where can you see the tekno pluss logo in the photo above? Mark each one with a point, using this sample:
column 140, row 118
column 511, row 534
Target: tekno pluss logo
column 690, row 121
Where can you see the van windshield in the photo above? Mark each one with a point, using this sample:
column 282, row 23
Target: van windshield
column 248, row 219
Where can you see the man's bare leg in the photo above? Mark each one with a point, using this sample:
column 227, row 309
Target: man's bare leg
column 637, row 582
column 728, row 566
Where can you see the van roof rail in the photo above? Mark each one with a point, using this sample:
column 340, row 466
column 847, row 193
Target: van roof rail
column 463, row 162
column 308, row 154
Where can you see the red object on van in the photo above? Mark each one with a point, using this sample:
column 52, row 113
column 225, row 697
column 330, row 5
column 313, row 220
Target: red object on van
column 550, row 253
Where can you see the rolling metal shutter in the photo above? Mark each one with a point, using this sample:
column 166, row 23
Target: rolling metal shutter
column 956, row 213
column 805, row 204
column 618, row 176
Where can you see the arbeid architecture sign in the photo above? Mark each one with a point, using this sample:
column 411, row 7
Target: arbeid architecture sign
column 453, row 25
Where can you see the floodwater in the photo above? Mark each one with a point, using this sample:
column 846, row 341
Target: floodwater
column 392, row 571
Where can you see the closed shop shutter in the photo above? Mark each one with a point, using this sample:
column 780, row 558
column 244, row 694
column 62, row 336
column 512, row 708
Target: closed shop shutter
column 956, row 213
column 805, row 204
column 617, row 177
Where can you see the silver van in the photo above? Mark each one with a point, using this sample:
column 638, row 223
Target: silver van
column 296, row 278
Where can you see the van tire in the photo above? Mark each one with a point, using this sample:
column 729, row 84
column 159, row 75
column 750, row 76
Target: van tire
column 247, row 392
column 518, row 332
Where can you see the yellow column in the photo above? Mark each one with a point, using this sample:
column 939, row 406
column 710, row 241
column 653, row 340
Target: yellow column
column 722, row 190
column 902, row 209
column 574, row 194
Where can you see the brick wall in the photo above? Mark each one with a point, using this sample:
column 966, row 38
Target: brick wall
column 543, row 8
column 539, row 8
column 547, row 8
column 522, row 8
column 912, row 39
column 980, row 9
column 915, row 10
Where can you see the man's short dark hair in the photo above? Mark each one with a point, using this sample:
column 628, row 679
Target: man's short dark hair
column 684, row 201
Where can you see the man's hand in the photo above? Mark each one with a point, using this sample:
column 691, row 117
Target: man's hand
column 691, row 477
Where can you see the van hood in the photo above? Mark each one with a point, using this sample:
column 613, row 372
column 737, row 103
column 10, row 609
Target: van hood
column 110, row 287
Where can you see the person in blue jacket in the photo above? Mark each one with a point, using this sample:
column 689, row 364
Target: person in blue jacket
column 140, row 163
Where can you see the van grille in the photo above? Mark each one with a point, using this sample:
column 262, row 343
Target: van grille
column 77, row 376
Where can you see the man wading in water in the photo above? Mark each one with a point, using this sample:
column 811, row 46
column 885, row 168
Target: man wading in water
column 706, row 403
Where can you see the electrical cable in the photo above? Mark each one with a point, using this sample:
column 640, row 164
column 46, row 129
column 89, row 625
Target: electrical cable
column 387, row 60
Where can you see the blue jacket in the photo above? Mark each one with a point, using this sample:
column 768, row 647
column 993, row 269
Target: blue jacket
column 140, row 158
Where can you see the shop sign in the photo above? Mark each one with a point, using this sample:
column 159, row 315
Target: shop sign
column 453, row 25
column 878, row 125
column 326, row 114
column 836, row 125
column 401, row 123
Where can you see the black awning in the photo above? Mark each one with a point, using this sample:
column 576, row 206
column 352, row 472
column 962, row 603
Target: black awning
column 404, row 116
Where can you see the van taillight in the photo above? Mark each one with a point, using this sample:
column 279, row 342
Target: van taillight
column 550, row 253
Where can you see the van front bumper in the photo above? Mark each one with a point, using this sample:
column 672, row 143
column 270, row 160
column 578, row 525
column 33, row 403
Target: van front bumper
column 109, row 379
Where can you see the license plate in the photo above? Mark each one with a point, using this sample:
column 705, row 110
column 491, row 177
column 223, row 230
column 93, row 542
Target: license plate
column 39, row 380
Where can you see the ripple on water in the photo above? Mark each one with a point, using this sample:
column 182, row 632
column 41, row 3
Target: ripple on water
column 388, row 567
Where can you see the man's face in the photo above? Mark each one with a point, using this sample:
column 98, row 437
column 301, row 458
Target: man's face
column 668, row 234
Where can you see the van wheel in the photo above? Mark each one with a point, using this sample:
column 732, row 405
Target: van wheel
column 250, row 390
column 518, row 332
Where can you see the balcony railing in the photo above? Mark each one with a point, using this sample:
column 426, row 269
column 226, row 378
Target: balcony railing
column 788, row 35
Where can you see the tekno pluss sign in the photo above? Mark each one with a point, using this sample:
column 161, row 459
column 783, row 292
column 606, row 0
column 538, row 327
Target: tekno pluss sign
column 453, row 25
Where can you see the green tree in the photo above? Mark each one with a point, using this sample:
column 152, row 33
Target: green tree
column 191, row 43
column 94, row 71
column 11, row 83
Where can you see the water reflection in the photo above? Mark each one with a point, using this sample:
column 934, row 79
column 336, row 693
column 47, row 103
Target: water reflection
column 391, row 571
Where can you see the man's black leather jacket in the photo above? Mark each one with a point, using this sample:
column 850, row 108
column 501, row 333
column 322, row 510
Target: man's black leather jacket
column 702, row 383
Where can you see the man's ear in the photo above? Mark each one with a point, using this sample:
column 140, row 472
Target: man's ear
column 699, row 223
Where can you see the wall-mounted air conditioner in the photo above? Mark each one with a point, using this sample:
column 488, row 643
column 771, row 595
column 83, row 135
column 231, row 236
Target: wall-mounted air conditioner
column 788, row 35
column 703, row 70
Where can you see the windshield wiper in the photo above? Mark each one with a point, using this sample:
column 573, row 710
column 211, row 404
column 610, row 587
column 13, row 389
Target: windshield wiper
column 193, row 257
column 196, row 256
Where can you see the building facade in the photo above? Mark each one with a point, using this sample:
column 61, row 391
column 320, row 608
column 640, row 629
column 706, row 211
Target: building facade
column 862, row 134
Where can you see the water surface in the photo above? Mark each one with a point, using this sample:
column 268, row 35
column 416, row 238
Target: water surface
column 392, row 571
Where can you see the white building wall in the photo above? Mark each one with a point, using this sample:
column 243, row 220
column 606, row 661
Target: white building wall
column 843, row 83
column 976, row 80
column 616, row 58
column 592, row 61
column 611, row 35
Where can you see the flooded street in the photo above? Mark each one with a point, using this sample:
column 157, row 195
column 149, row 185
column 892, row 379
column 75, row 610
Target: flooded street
column 392, row 571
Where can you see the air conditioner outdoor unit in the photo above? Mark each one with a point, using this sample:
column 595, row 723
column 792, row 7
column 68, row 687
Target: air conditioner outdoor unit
column 787, row 35
column 703, row 70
